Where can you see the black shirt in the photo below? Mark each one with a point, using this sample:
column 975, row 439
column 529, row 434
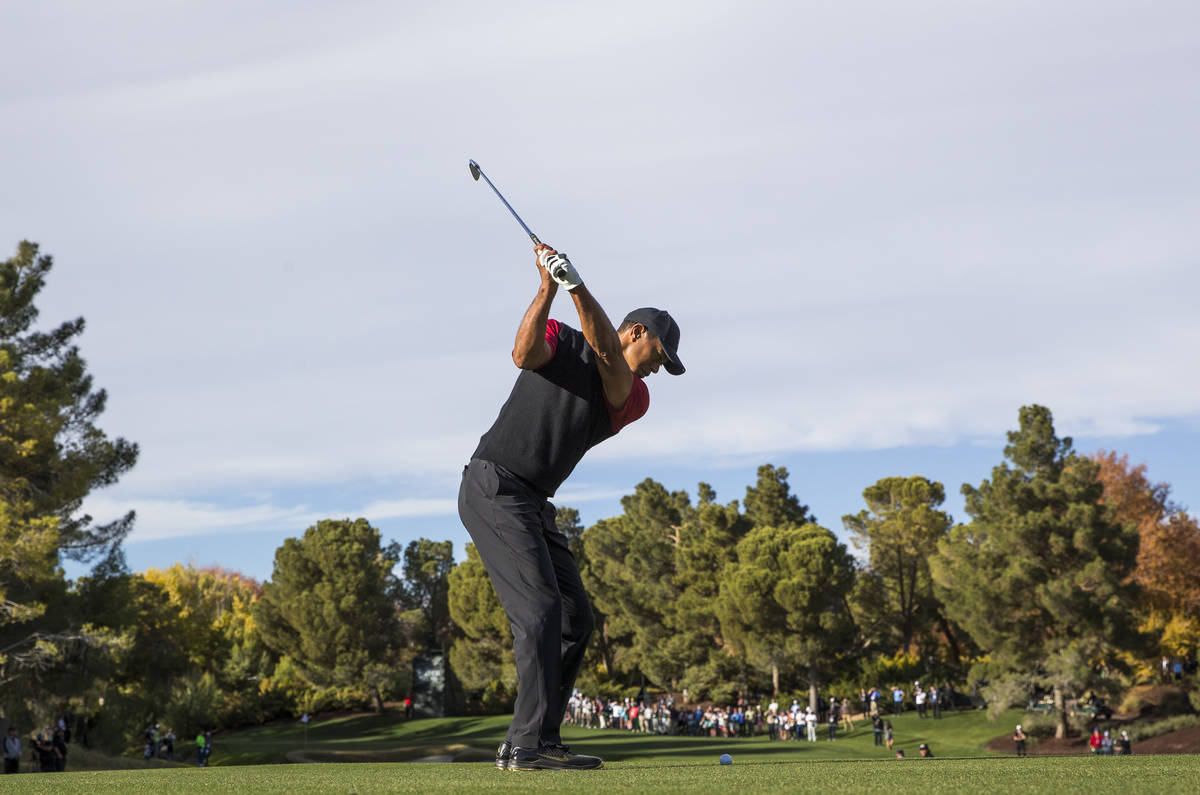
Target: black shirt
column 557, row 413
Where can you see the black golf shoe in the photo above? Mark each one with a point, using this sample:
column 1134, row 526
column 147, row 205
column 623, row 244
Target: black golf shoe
column 551, row 757
column 503, row 755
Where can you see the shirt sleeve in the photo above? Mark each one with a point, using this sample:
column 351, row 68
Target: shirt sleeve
column 552, row 329
column 635, row 406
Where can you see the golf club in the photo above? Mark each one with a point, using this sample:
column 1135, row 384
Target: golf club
column 476, row 173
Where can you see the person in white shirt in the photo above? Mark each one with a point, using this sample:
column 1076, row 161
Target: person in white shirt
column 12, row 752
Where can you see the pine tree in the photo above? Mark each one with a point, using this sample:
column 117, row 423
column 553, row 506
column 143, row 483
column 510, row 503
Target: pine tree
column 423, row 591
column 52, row 455
column 784, row 600
column 771, row 501
column 481, row 656
column 629, row 572
column 330, row 605
column 900, row 530
column 695, row 644
column 1040, row 577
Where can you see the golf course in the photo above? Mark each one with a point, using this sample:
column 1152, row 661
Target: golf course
column 368, row 753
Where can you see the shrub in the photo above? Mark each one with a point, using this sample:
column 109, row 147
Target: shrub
column 883, row 671
column 1156, row 701
column 1038, row 727
column 1145, row 731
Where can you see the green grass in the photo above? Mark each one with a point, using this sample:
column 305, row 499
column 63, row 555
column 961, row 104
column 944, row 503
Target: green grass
column 999, row 774
column 387, row 738
column 244, row 762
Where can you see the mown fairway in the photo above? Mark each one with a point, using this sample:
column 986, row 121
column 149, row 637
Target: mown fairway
column 247, row 762
column 1062, row 774
column 389, row 739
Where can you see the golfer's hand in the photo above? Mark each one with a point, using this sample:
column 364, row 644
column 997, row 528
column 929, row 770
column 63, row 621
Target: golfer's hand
column 547, row 279
column 559, row 267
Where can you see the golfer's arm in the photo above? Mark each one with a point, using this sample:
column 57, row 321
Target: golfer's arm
column 615, row 374
column 531, row 351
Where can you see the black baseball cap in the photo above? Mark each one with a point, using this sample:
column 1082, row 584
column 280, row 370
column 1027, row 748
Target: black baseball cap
column 660, row 323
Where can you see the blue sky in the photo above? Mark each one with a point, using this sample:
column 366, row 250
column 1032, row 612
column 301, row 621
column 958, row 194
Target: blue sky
column 883, row 228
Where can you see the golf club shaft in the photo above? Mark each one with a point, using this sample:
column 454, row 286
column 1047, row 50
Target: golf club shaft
column 532, row 236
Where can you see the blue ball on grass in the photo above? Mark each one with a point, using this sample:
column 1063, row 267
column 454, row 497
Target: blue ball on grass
column 726, row 759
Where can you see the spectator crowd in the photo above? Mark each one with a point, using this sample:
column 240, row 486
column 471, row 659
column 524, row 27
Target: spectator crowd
column 47, row 749
column 793, row 722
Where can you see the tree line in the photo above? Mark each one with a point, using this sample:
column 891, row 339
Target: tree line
column 1068, row 574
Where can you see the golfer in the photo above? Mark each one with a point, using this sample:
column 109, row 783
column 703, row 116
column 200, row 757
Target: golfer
column 575, row 389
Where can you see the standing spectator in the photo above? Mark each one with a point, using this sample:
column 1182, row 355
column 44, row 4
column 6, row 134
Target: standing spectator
column 12, row 752
column 863, row 702
column 1124, row 746
column 874, row 697
column 877, row 728
column 45, row 753
column 810, row 720
column 1178, row 668
column 1096, row 741
column 897, row 700
column 919, row 698
column 200, row 743
column 59, row 743
column 935, row 702
column 832, row 723
column 408, row 706
column 847, row 721
column 1166, row 669
column 1019, row 738
column 889, row 737
column 948, row 697
column 169, row 743
column 1106, row 743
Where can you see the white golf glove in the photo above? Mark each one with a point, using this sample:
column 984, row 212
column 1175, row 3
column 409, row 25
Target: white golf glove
column 560, row 269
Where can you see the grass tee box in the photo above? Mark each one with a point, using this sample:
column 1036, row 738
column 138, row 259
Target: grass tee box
column 998, row 774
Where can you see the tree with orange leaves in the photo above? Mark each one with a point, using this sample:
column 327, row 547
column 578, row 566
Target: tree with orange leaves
column 1168, row 562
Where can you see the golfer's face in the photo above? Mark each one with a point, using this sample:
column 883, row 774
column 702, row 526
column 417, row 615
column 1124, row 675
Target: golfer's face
column 646, row 355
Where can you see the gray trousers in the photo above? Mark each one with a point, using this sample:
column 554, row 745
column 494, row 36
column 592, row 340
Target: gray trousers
column 537, row 580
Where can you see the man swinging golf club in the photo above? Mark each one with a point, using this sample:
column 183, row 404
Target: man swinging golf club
column 575, row 390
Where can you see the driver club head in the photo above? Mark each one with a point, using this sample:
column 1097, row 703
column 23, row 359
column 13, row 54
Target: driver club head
column 474, row 169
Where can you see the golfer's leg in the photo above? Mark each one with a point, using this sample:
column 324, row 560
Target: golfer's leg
column 577, row 621
column 505, row 522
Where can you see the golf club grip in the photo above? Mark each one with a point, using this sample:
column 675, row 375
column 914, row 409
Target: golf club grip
column 534, row 238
